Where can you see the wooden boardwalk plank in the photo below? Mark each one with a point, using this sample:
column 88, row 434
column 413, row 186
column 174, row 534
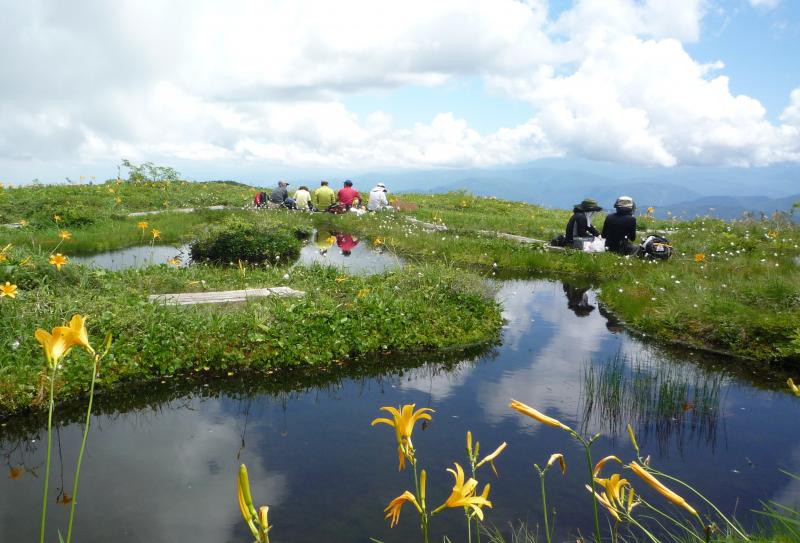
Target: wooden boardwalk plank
column 222, row 297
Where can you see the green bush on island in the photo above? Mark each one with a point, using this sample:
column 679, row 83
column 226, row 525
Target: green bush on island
column 240, row 240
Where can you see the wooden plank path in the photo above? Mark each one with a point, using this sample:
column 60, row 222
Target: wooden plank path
column 178, row 210
column 223, row 297
column 521, row 239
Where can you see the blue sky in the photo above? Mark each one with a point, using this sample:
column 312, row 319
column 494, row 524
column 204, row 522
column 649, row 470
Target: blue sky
column 313, row 86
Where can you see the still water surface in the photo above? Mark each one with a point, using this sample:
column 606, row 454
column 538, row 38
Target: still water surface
column 161, row 465
column 339, row 249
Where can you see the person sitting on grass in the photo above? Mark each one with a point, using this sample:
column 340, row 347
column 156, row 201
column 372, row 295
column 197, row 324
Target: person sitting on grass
column 302, row 199
column 347, row 195
column 324, row 197
column 280, row 195
column 619, row 230
column 377, row 199
column 579, row 227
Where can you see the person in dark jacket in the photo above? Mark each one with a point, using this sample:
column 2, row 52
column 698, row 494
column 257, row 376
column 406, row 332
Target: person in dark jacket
column 280, row 195
column 579, row 227
column 619, row 230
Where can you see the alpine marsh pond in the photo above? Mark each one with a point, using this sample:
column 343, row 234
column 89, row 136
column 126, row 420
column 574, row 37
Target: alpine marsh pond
column 161, row 458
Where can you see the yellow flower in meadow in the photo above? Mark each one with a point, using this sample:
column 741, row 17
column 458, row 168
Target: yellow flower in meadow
column 650, row 210
column 118, row 200
column 363, row 292
column 8, row 290
column 23, row 223
column 393, row 509
column 3, row 257
column 541, row 417
column 490, row 457
column 789, row 381
column 174, row 262
column 341, row 278
column 773, row 234
column 699, row 257
column 156, row 233
column 464, row 495
column 58, row 260
column 64, row 235
column 377, row 242
column 660, row 488
column 403, row 421
column 55, row 344
column 56, row 218
column 142, row 224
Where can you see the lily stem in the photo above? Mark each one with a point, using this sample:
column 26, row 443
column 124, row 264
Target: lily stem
column 80, row 455
column 544, row 508
column 587, row 447
column 49, row 449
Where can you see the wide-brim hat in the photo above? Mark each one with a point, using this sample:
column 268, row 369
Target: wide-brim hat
column 588, row 204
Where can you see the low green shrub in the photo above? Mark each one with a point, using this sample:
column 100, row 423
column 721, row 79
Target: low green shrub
column 238, row 239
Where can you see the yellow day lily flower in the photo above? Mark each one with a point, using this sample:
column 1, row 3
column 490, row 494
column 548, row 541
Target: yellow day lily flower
column 403, row 421
column 463, row 494
column 58, row 260
column 562, row 464
column 156, row 233
column 541, row 417
column 64, row 235
column 56, row 344
column 142, row 224
column 393, row 509
column 601, row 463
column 78, row 334
column 660, row 488
column 490, row 457
column 789, row 381
column 603, row 500
column 8, row 290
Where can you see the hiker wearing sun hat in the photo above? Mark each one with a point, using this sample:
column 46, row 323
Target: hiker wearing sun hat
column 579, row 227
column 377, row 198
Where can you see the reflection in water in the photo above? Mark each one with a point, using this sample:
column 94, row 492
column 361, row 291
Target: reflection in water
column 660, row 399
column 162, row 457
column 578, row 300
column 136, row 257
column 353, row 255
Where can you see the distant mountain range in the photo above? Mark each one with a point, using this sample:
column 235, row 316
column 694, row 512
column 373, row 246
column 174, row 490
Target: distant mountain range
column 689, row 192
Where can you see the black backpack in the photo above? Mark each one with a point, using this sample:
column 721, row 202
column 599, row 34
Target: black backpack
column 656, row 247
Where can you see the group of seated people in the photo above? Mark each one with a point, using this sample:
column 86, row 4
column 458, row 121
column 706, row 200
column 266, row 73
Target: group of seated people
column 619, row 228
column 324, row 198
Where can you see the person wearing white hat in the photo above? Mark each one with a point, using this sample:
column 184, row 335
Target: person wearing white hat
column 377, row 198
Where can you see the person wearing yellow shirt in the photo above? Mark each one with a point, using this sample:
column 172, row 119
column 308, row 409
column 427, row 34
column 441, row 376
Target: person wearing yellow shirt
column 324, row 197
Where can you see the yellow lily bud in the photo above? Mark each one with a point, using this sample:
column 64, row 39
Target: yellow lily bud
column 469, row 442
column 490, row 457
column 537, row 415
column 633, row 439
column 648, row 478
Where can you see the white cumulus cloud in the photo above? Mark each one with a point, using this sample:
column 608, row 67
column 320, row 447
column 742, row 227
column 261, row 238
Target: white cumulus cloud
column 267, row 82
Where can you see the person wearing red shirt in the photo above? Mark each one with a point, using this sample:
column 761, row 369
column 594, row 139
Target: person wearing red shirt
column 347, row 195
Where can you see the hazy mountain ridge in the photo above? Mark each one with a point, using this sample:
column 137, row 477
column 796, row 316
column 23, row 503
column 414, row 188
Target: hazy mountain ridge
column 681, row 191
